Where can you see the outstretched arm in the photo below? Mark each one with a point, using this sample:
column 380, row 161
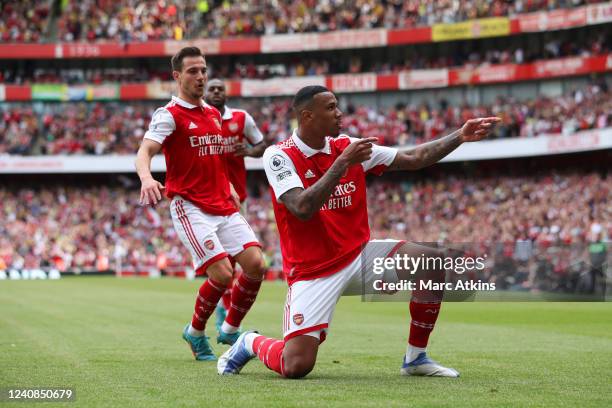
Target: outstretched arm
column 432, row 152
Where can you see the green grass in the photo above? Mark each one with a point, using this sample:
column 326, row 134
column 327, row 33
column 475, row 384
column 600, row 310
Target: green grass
column 117, row 342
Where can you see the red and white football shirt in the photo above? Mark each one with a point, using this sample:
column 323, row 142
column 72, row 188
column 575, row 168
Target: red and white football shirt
column 335, row 235
column 238, row 126
column 194, row 149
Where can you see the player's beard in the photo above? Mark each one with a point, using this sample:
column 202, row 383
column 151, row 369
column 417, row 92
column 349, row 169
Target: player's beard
column 198, row 92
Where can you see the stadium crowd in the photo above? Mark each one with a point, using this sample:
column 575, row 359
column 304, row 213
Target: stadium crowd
column 125, row 20
column 24, row 21
column 74, row 128
column 99, row 228
column 471, row 55
column 402, row 59
column 117, row 128
column 581, row 109
column 265, row 17
column 144, row 20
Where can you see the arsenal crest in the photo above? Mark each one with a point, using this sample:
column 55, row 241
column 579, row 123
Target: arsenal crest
column 233, row 127
column 209, row 244
column 298, row 318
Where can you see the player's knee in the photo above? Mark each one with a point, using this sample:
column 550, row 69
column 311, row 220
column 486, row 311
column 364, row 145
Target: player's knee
column 225, row 278
column 259, row 268
column 221, row 273
column 255, row 267
column 297, row 368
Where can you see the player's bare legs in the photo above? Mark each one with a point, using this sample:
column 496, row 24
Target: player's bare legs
column 244, row 292
column 252, row 262
column 299, row 356
column 294, row 358
column 424, row 310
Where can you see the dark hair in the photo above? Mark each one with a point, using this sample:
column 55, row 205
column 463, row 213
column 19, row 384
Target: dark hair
column 177, row 60
column 305, row 95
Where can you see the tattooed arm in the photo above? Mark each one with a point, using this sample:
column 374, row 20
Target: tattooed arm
column 304, row 203
column 429, row 153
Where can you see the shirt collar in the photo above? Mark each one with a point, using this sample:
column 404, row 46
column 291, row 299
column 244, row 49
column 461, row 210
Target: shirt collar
column 227, row 113
column 307, row 150
column 184, row 103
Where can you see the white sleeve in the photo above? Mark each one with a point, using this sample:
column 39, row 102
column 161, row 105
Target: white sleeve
column 381, row 155
column 162, row 125
column 251, row 131
column 280, row 171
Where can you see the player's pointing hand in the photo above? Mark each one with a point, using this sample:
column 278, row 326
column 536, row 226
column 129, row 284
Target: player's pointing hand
column 150, row 191
column 477, row 129
column 358, row 151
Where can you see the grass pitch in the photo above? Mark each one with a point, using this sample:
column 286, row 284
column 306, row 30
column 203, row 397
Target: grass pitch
column 118, row 343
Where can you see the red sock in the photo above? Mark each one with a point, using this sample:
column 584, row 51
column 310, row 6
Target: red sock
column 424, row 316
column 226, row 298
column 244, row 293
column 270, row 352
column 208, row 297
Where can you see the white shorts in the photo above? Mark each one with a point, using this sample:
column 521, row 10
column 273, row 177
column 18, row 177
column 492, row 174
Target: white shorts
column 210, row 237
column 310, row 304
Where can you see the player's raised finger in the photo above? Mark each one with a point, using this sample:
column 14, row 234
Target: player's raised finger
column 369, row 140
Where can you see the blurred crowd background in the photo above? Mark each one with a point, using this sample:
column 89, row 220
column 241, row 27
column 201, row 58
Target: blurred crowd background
column 97, row 227
column 547, row 223
column 137, row 20
column 117, row 128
